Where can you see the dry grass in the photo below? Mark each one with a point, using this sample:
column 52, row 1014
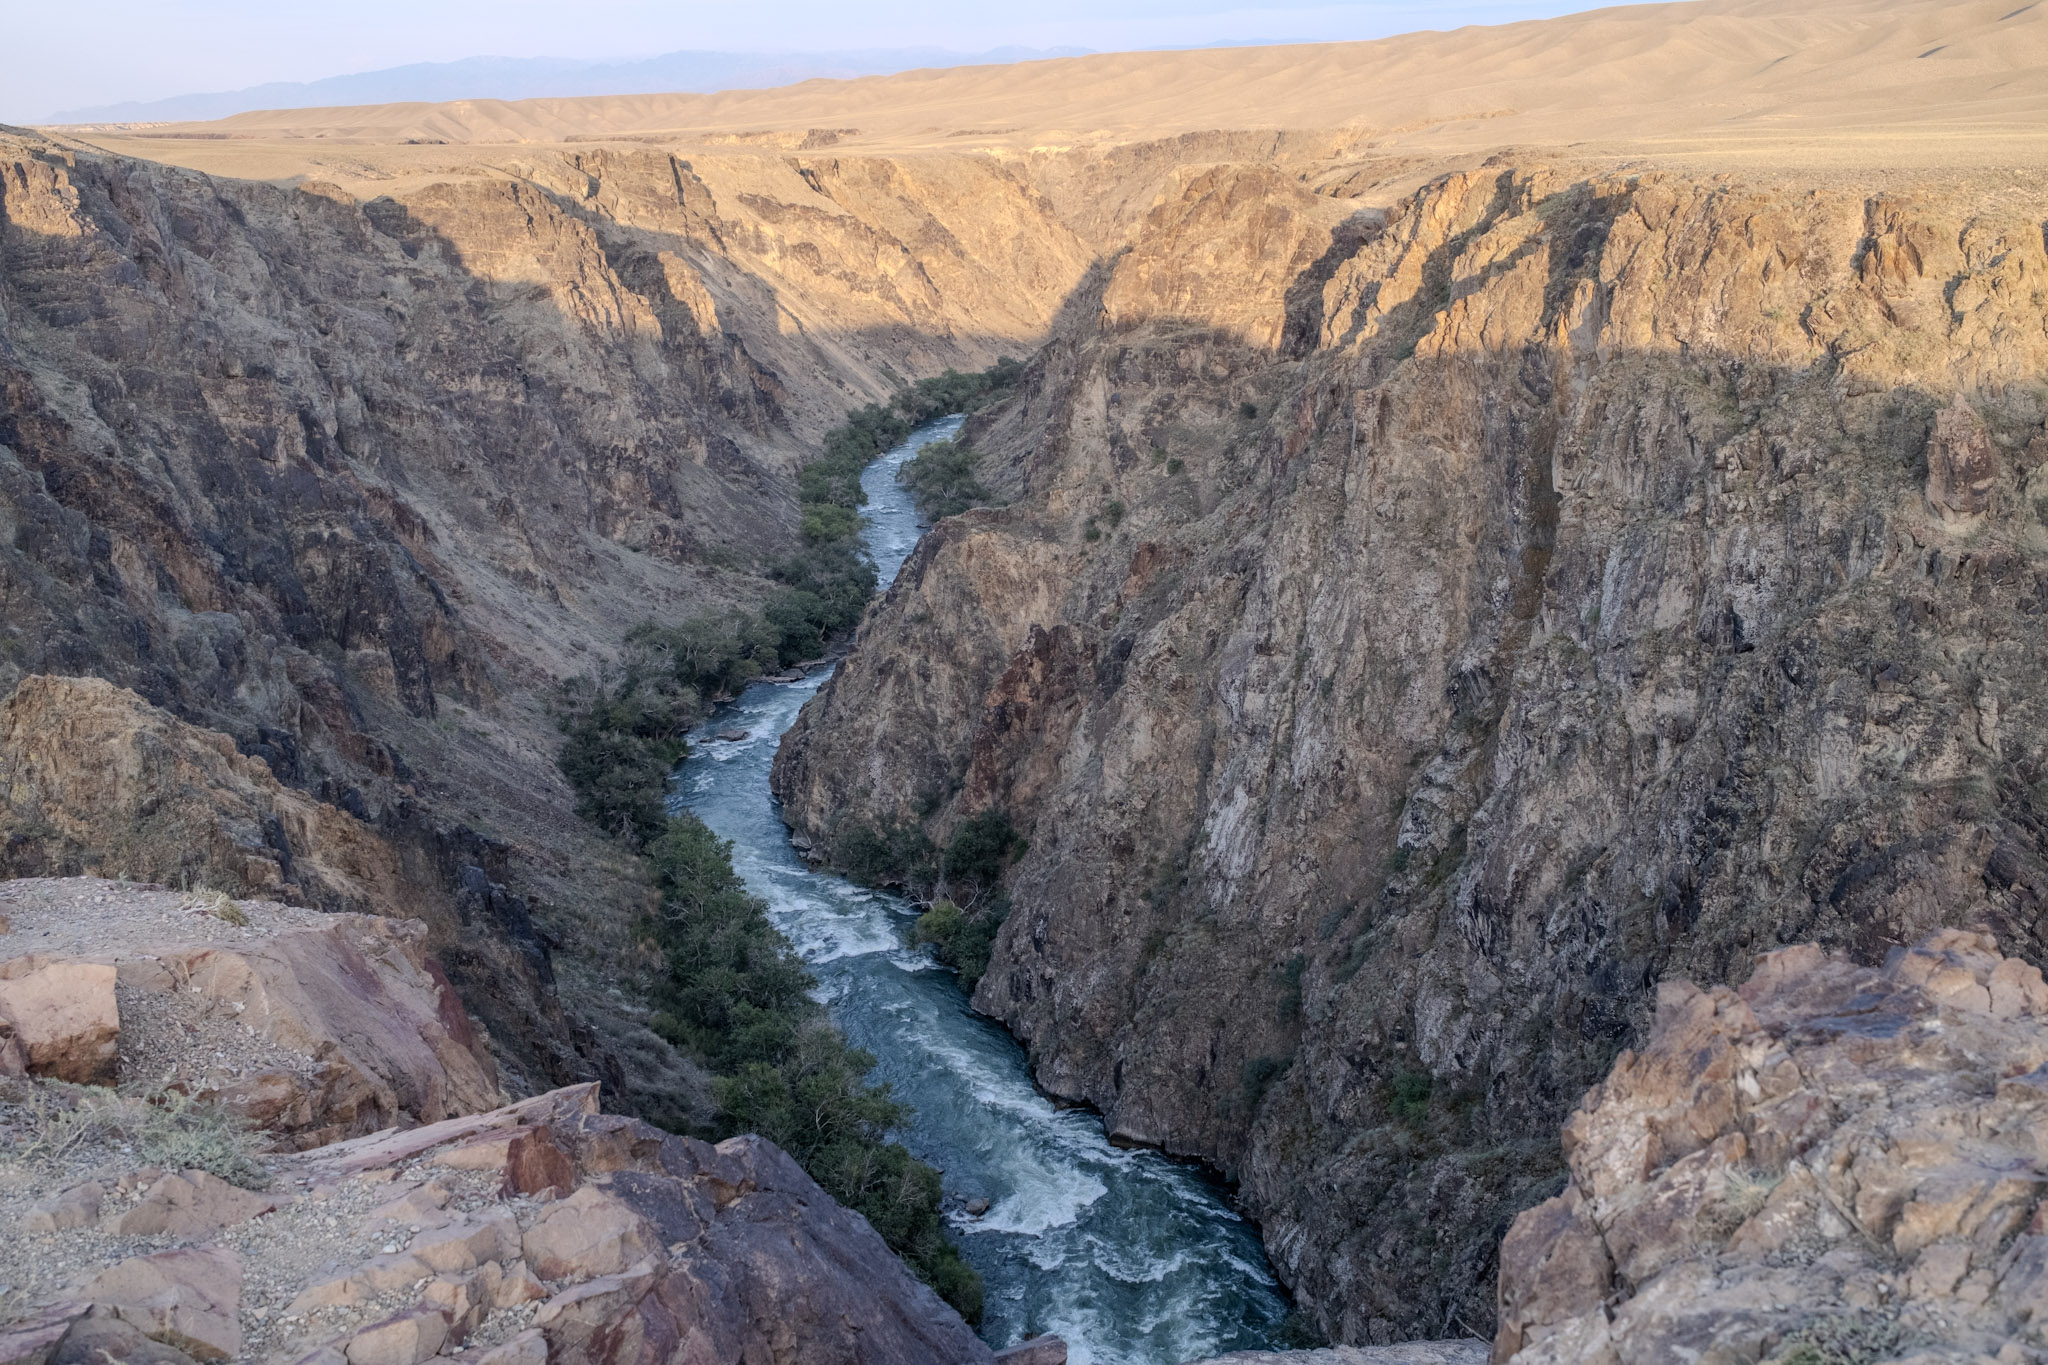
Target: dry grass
column 221, row 906
column 50, row 1122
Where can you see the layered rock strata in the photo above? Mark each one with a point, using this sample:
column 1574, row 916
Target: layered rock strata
column 1837, row 1159
column 1411, row 636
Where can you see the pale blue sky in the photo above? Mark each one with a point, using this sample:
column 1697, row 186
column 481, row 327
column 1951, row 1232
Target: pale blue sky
column 92, row 52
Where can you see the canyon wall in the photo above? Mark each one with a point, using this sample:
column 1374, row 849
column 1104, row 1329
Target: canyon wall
column 351, row 477
column 1410, row 636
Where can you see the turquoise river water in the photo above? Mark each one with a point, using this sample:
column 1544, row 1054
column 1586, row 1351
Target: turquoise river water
column 1134, row 1258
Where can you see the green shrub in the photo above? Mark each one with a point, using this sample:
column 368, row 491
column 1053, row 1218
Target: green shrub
column 961, row 940
column 890, row 854
column 1248, row 410
column 1258, row 1076
column 980, row 849
column 942, row 480
column 619, row 745
column 1408, row 1096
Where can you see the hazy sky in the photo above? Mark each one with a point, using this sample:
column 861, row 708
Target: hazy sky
column 102, row 51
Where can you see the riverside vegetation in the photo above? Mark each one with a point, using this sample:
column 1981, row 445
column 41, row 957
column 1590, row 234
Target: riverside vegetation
column 733, row 995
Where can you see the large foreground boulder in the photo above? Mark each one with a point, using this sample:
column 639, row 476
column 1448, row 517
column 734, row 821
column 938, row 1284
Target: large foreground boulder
column 1832, row 1163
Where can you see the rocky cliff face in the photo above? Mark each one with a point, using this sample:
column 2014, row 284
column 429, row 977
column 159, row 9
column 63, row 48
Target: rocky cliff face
column 1835, row 1162
column 1411, row 637
column 351, row 477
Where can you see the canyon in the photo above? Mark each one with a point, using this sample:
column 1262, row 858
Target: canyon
column 1464, row 555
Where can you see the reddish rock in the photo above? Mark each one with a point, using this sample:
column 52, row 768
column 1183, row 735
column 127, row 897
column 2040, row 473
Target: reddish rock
column 590, row 1233
column 1830, row 1147
column 110, row 1341
column 74, row 1208
column 32, row 1340
column 406, row 1339
column 191, row 1204
column 190, row 1299
column 62, row 1016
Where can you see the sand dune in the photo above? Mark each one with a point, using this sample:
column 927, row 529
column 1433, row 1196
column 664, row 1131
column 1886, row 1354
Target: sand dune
column 1918, row 81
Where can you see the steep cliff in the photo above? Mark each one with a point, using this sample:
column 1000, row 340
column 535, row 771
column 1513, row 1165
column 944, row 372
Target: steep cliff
column 1410, row 636
column 352, row 476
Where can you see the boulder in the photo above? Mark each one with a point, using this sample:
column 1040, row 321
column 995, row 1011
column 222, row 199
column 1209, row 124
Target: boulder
column 73, row 1208
column 591, row 1233
column 62, row 1017
column 406, row 1339
column 95, row 1340
column 190, row 1299
column 191, row 1204
column 33, row 1339
column 526, row 1348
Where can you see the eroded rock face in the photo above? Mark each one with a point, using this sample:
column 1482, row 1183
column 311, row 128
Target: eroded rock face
column 95, row 779
column 1400, row 665
column 1832, row 1156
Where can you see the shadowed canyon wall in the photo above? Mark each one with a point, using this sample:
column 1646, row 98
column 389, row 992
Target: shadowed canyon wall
column 355, row 478
column 1408, row 637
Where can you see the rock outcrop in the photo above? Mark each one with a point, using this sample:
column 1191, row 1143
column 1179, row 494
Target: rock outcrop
column 1841, row 1158
column 543, row 1231
column 312, row 1026
column 93, row 779
column 1410, row 637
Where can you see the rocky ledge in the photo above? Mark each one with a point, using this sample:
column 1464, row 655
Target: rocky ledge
column 310, row 1025
column 188, row 1086
column 1831, row 1163
column 540, row 1231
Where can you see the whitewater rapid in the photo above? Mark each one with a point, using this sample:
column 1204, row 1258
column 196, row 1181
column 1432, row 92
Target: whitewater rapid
column 1133, row 1258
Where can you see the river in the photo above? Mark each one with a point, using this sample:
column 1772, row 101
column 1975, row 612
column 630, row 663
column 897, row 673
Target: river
column 1134, row 1258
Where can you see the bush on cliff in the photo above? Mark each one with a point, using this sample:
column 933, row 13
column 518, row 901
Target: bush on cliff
column 961, row 884
column 943, row 480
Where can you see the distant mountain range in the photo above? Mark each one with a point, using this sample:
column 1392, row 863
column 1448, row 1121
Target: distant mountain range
column 518, row 78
